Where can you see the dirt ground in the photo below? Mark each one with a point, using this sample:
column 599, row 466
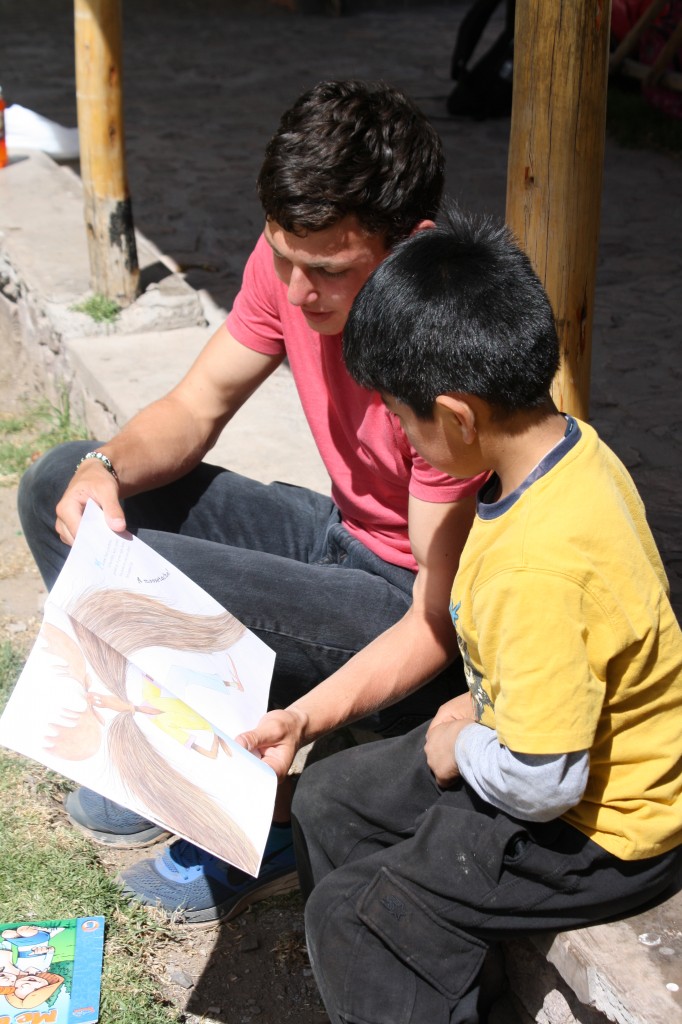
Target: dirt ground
column 254, row 968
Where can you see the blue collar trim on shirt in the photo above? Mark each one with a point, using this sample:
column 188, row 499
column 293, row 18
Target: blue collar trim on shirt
column 493, row 509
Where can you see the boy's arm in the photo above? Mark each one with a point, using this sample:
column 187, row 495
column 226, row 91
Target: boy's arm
column 533, row 787
column 537, row 642
column 169, row 437
column 400, row 660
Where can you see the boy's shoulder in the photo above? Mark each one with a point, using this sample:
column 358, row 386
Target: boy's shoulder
column 596, row 488
column 578, row 514
column 587, row 475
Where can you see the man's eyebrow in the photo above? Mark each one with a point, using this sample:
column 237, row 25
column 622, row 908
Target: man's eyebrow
column 317, row 265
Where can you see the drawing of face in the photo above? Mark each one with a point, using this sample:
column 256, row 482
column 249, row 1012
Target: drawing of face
column 26, row 984
column 30, row 989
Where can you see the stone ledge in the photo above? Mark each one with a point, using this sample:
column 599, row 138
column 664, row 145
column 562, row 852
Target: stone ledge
column 626, row 972
column 42, row 216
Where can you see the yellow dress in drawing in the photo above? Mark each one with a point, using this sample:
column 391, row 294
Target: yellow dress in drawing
column 179, row 721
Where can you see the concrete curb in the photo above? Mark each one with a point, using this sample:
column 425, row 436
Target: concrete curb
column 109, row 372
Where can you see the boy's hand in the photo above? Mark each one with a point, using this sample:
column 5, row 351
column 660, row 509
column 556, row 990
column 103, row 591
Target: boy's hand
column 455, row 710
column 275, row 739
column 440, row 750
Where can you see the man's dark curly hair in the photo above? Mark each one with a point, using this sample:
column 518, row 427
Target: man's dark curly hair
column 352, row 147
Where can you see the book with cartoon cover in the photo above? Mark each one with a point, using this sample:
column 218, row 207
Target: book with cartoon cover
column 136, row 686
column 50, row 971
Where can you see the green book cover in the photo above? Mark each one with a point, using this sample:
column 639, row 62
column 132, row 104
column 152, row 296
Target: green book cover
column 50, row 971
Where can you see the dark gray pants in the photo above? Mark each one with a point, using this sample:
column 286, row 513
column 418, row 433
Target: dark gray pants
column 412, row 884
column 276, row 556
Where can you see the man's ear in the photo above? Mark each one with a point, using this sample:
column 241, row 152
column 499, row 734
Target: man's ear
column 461, row 413
column 423, row 225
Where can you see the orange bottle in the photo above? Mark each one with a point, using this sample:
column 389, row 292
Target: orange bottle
column 3, row 144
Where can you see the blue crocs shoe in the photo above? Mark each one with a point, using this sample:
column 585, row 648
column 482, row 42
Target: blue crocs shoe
column 108, row 823
column 200, row 888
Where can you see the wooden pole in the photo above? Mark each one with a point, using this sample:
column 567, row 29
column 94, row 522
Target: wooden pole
column 554, row 175
column 114, row 270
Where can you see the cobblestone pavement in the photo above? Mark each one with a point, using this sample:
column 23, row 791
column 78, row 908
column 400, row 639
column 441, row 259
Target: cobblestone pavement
column 205, row 84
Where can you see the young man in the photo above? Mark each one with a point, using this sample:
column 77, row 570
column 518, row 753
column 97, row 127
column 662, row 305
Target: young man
column 352, row 169
column 551, row 795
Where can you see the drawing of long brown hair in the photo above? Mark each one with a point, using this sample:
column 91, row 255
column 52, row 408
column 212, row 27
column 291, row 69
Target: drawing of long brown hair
column 121, row 622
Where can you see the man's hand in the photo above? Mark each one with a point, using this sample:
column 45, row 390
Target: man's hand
column 91, row 480
column 440, row 750
column 276, row 739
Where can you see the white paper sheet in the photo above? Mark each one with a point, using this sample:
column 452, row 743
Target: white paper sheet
column 136, row 684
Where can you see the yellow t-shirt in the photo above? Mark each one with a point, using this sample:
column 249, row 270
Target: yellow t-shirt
column 570, row 643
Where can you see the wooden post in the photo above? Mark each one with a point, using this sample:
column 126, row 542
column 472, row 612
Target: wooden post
column 114, row 270
column 554, row 175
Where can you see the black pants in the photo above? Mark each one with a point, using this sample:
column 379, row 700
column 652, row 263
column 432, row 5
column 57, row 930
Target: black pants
column 411, row 885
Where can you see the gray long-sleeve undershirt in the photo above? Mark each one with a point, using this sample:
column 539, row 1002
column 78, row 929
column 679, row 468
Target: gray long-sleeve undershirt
column 533, row 787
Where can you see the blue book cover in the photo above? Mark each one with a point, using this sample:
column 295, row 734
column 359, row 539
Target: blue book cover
column 50, row 971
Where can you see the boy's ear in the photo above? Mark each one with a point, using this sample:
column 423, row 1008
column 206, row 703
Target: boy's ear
column 423, row 225
column 461, row 413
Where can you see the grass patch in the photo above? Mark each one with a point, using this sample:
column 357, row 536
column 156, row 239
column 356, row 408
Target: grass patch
column 24, row 438
column 99, row 308
column 11, row 664
column 635, row 124
column 49, row 870
column 58, row 874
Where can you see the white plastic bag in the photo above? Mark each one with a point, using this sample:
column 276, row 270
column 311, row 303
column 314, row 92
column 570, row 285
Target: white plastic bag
column 24, row 129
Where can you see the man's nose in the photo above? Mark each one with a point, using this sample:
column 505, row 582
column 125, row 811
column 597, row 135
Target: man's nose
column 301, row 291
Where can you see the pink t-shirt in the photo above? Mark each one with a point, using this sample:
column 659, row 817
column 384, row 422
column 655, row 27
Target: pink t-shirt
column 372, row 466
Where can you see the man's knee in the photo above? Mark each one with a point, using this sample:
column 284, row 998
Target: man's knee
column 40, row 489
column 44, row 482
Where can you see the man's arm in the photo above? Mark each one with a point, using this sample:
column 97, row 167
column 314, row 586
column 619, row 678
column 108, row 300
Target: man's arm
column 169, row 437
column 400, row 660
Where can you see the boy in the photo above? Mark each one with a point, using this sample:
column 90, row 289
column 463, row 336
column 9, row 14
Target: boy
column 352, row 168
column 551, row 795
